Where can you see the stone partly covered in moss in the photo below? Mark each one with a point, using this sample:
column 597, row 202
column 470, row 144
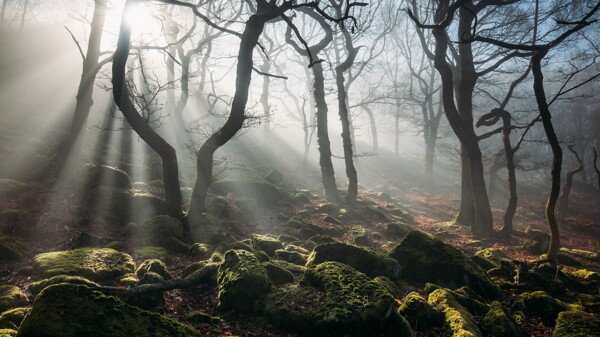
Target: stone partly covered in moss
column 36, row 287
column 538, row 241
column 587, row 275
column 420, row 314
column 164, row 231
column 96, row 175
column 75, row 310
column 12, row 249
column 466, row 297
column 497, row 323
column 96, row 264
column 151, row 252
column 278, row 275
column 8, row 333
column 200, row 250
column 362, row 259
column 124, row 205
column 199, row 317
column 254, row 188
column 581, row 253
column 492, row 256
column 11, row 297
column 266, row 243
column 154, row 266
column 334, row 299
column 397, row 229
column 11, row 319
column 539, row 304
column 458, row 319
column 291, row 256
column 397, row 289
column 10, row 187
column 360, row 236
column 243, row 282
column 425, row 258
column 576, row 323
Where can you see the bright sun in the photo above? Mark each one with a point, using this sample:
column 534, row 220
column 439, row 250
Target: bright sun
column 140, row 18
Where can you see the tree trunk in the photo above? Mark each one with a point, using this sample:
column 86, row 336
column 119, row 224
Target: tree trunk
column 540, row 96
column 596, row 167
column 373, row 125
column 264, row 97
column 71, row 146
column 563, row 201
column 327, row 172
column 397, row 132
column 157, row 143
column 430, row 144
column 346, row 138
column 205, row 155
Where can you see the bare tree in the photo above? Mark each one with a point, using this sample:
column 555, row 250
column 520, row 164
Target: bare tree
column 563, row 199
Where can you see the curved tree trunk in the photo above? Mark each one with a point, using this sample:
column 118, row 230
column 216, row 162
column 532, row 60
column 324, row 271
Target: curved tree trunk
column 563, row 201
column 156, row 142
column 373, row 125
column 540, row 97
column 205, row 155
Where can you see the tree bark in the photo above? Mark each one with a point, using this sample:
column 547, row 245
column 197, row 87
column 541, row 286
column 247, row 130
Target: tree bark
column 373, row 125
column 71, row 146
column 540, row 97
column 563, row 201
column 205, row 155
column 156, row 142
column 596, row 167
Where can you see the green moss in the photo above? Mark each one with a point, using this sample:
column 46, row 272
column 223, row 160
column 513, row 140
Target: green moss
column 425, row 258
column 11, row 319
column 199, row 317
column 587, row 275
column 576, row 323
column 292, row 257
column 124, row 205
column 539, row 304
column 266, row 243
column 336, row 300
column 458, row 319
column 36, row 287
column 12, row 249
column 360, row 236
column 582, row 253
column 362, row 259
column 498, row 324
column 243, row 282
column 154, row 266
column 278, row 275
column 75, row 310
column 8, row 333
column 11, row 297
column 200, row 250
column 250, row 187
column 163, row 231
column 96, row 264
column 420, row 314
column 466, row 297
column 396, row 289
column 396, row 229
column 151, row 252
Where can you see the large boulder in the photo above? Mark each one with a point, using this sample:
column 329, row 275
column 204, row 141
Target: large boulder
column 243, row 282
column 425, row 258
column 576, row 323
column 96, row 264
column 498, row 324
column 124, row 205
column 11, row 297
column 164, row 231
column 539, row 304
column 11, row 319
column 419, row 313
column 458, row 319
column 12, row 249
column 37, row 287
column 362, row 259
column 334, row 299
column 67, row 310
column 266, row 243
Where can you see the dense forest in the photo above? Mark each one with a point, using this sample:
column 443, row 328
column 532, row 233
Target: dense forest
column 397, row 168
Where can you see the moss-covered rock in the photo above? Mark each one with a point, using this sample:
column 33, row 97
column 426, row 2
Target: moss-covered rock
column 425, row 258
column 278, row 275
column 243, row 282
column 266, row 243
column 497, row 323
column 397, row 229
column 397, row 289
column 10, row 187
column 67, row 310
column 360, row 236
column 576, row 323
column 36, row 287
column 466, row 297
column 458, row 319
column 199, row 317
column 292, row 257
column 334, row 299
column 8, row 333
column 164, row 231
column 154, row 266
column 124, row 205
column 362, row 259
column 151, row 252
column 587, row 275
column 96, row 175
column 539, row 304
column 420, row 314
column 96, row 264
column 581, row 253
column 538, row 241
column 257, row 188
column 200, row 250
column 12, row 249
column 12, row 220
column 11, row 297
column 11, row 319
